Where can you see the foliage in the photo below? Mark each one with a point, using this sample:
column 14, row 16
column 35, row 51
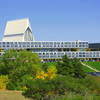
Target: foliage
column 48, row 89
column 3, row 81
column 64, row 88
column 70, row 78
column 65, row 67
column 73, row 96
column 71, row 67
column 50, row 74
column 92, row 83
column 13, row 59
column 78, row 70
column 18, row 65
column 84, row 68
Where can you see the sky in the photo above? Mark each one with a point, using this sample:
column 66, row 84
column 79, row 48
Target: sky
column 55, row 20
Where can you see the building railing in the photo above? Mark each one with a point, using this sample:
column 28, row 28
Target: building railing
column 59, row 55
column 78, row 54
column 37, row 44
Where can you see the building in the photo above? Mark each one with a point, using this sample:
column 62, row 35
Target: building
column 94, row 46
column 18, row 30
column 18, row 35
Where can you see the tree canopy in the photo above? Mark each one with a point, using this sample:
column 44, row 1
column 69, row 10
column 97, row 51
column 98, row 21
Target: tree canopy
column 71, row 67
column 19, row 65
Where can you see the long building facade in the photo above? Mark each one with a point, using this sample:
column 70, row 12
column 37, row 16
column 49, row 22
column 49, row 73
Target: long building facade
column 20, row 39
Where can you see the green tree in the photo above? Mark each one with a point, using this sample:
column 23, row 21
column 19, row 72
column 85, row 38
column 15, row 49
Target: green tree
column 18, row 65
column 78, row 70
column 71, row 67
column 65, row 67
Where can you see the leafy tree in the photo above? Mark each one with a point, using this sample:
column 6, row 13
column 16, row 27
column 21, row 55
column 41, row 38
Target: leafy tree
column 71, row 67
column 17, row 65
column 65, row 67
column 78, row 70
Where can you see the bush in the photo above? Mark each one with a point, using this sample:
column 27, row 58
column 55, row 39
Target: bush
column 72, row 96
column 3, row 81
column 92, row 83
column 48, row 74
column 48, row 89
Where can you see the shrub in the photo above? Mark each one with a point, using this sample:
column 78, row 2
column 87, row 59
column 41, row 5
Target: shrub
column 47, row 89
column 72, row 96
column 48, row 74
column 3, row 81
column 92, row 83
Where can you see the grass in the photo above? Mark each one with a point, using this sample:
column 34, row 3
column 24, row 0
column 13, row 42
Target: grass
column 11, row 95
column 95, row 65
column 86, row 69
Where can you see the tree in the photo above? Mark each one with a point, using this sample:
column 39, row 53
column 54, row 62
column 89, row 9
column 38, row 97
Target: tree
column 18, row 65
column 65, row 67
column 71, row 67
column 78, row 70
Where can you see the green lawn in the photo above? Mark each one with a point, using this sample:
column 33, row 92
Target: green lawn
column 86, row 69
column 95, row 65
column 11, row 95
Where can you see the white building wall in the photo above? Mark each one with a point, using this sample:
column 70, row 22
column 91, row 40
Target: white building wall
column 14, row 38
column 18, row 30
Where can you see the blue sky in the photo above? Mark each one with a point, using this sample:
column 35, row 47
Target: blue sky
column 52, row 20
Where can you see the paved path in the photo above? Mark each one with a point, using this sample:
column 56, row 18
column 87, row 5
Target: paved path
column 90, row 67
